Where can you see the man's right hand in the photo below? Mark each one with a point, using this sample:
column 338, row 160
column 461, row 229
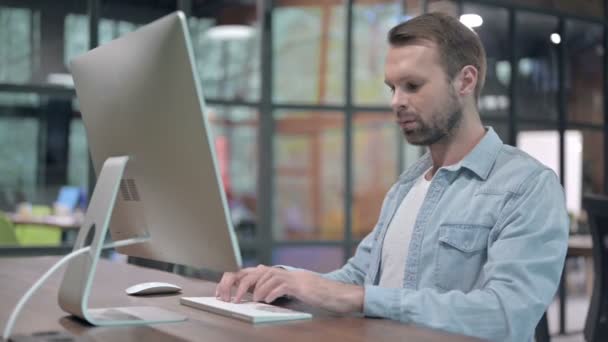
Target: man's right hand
column 270, row 283
column 244, row 280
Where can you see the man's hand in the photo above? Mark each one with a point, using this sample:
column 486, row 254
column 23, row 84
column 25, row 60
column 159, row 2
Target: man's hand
column 270, row 283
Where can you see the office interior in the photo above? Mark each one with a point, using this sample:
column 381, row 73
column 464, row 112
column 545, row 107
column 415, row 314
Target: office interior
column 305, row 140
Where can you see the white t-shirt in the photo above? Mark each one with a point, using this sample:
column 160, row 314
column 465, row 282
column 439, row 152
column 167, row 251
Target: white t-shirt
column 397, row 239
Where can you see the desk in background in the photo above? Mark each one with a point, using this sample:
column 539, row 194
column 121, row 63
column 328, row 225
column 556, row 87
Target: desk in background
column 42, row 313
column 69, row 224
column 578, row 246
column 66, row 222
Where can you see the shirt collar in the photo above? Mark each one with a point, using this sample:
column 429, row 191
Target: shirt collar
column 479, row 160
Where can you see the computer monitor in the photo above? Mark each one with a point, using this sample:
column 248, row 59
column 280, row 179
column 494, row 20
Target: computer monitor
column 140, row 97
column 144, row 113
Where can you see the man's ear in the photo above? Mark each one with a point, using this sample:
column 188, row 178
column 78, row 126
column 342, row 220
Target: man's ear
column 467, row 81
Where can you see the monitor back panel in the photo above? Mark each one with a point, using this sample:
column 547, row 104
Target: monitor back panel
column 139, row 97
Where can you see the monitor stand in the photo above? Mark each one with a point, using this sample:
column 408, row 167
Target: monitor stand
column 78, row 278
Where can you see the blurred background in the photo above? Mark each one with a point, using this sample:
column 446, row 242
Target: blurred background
column 305, row 138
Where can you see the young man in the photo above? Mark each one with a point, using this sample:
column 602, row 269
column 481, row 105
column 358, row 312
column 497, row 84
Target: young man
column 472, row 238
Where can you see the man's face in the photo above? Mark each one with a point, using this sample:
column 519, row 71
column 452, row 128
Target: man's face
column 423, row 99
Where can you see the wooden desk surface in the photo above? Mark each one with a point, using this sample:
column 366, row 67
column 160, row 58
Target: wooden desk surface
column 42, row 312
column 63, row 222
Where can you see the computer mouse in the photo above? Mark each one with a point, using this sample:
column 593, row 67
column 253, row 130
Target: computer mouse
column 152, row 288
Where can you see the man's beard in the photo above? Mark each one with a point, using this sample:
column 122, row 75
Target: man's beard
column 440, row 126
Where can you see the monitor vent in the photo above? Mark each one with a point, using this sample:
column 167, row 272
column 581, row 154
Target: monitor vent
column 133, row 189
column 128, row 189
column 124, row 190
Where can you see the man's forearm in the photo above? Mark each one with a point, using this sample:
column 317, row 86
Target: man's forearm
column 339, row 297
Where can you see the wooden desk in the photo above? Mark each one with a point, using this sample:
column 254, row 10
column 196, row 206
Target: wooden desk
column 69, row 224
column 63, row 222
column 42, row 313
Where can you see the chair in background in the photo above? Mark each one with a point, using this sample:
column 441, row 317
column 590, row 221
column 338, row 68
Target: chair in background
column 542, row 330
column 596, row 325
column 7, row 232
column 38, row 235
column 69, row 197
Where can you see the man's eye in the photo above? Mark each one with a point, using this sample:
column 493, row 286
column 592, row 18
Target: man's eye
column 391, row 89
column 412, row 86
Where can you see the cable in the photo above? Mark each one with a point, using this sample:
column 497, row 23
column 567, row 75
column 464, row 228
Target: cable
column 66, row 258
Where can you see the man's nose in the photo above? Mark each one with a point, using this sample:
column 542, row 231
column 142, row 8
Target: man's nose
column 399, row 99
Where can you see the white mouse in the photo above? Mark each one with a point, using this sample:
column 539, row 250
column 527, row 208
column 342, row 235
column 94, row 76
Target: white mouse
column 152, row 288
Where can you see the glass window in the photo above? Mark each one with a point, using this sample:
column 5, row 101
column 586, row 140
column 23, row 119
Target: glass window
column 36, row 42
column 494, row 34
column 18, row 45
column 584, row 72
column 76, row 36
column 235, row 137
column 584, row 164
column 117, row 19
column 371, row 23
column 315, row 258
column 537, row 78
column 444, row 6
column 19, row 166
column 36, row 150
column 78, row 160
column 110, row 29
column 592, row 8
column 592, row 172
column 309, row 176
column 18, row 99
column 541, row 142
column 410, row 153
column 375, row 167
column 308, row 52
column 36, row 164
column 584, row 172
column 226, row 43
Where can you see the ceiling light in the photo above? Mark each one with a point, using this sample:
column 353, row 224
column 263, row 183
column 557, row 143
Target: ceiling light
column 230, row 32
column 61, row 79
column 471, row 20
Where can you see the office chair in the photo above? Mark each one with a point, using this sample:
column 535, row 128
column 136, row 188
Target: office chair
column 541, row 333
column 596, row 325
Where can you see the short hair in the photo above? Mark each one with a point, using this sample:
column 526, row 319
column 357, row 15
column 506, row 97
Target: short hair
column 458, row 45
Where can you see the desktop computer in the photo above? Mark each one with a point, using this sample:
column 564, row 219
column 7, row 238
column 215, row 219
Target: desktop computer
column 151, row 147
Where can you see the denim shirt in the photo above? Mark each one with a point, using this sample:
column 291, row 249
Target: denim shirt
column 486, row 251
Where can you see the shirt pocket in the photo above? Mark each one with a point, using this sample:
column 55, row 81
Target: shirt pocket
column 461, row 253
